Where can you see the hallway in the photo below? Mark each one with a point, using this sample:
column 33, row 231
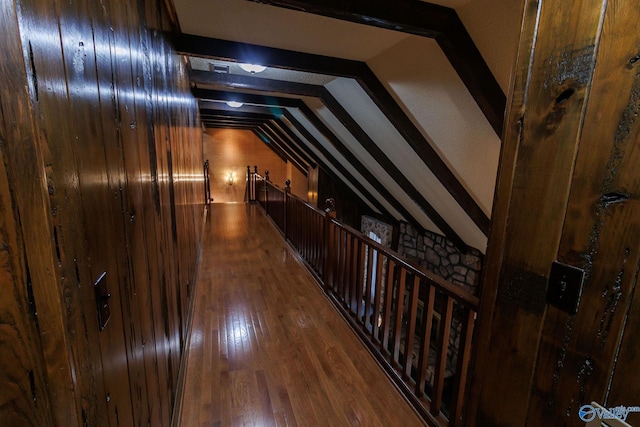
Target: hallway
column 267, row 348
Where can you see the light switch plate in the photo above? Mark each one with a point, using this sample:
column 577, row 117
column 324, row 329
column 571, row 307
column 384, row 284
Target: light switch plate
column 565, row 287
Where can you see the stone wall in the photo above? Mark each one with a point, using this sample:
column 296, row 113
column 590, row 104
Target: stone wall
column 381, row 229
column 438, row 255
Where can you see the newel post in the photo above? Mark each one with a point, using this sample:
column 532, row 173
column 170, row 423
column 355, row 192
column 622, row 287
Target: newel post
column 287, row 194
column 248, row 183
column 266, row 191
column 253, row 183
column 330, row 213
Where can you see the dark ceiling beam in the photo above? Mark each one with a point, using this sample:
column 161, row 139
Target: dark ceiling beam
column 272, row 143
column 221, row 106
column 381, row 97
column 427, row 20
column 274, row 127
column 275, row 139
column 278, row 103
column 290, row 134
column 368, row 176
column 258, row 113
column 214, row 125
column 232, row 123
column 492, row 103
column 239, row 82
column 337, row 166
column 282, row 127
column 249, row 117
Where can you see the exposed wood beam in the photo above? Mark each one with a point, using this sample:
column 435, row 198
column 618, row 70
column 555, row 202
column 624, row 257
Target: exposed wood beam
column 367, row 175
column 422, row 19
column 256, row 113
column 222, row 118
column 278, row 103
column 230, row 111
column 214, row 48
column 275, row 139
column 320, row 92
column 231, row 124
column 302, row 155
column 337, row 165
column 227, row 126
column 261, row 114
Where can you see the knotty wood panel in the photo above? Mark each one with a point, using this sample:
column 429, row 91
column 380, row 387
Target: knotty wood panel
column 600, row 235
column 25, row 401
column 567, row 190
column 105, row 173
column 29, row 203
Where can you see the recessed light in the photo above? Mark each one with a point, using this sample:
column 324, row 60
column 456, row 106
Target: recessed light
column 234, row 104
column 253, row 68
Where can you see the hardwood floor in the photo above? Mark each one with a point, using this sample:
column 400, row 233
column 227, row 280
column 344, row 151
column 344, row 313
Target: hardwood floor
column 267, row 347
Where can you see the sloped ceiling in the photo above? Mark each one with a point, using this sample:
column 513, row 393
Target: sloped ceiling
column 401, row 117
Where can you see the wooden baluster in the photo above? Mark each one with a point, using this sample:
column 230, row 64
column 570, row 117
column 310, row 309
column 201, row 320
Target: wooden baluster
column 319, row 219
column 328, row 250
column 425, row 340
column 266, row 192
column 355, row 274
column 285, row 207
column 348, row 267
column 367, row 294
column 377, row 299
column 388, row 300
column 441, row 357
column 253, row 183
column 248, row 183
column 411, row 327
column 462, row 367
column 341, row 263
column 397, row 335
column 359, row 281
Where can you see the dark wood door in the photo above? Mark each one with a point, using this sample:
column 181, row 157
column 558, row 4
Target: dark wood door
column 568, row 193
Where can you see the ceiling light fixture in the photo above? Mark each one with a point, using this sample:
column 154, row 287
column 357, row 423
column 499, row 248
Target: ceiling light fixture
column 234, row 104
column 253, row 68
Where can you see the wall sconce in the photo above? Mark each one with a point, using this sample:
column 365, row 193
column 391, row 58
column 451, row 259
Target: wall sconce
column 231, row 178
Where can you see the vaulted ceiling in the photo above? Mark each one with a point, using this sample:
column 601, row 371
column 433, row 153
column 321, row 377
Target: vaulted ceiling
column 402, row 101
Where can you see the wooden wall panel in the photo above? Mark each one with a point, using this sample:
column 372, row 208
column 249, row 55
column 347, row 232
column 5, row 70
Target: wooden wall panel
column 232, row 150
column 115, row 174
column 25, row 401
column 349, row 207
column 27, row 183
column 601, row 235
column 567, row 191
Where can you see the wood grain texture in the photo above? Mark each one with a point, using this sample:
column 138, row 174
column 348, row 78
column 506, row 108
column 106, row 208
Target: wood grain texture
column 104, row 153
column 267, row 348
column 600, row 236
column 567, row 191
column 545, row 146
column 24, row 400
column 232, row 150
column 29, row 202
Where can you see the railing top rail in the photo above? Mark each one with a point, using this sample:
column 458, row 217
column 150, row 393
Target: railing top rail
column 460, row 295
column 456, row 292
column 271, row 184
column 320, row 211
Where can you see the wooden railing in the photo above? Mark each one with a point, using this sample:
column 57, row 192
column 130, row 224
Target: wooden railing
column 417, row 325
